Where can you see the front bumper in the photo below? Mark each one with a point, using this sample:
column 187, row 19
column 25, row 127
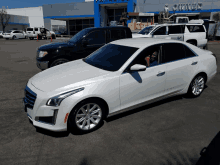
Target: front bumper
column 46, row 117
column 42, row 64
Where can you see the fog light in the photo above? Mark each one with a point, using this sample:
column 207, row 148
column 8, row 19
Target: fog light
column 48, row 119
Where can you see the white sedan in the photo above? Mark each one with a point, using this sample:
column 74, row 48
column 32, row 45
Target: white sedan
column 119, row 76
column 14, row 34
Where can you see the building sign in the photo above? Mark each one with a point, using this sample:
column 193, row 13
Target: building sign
column 146, row 14
column 187, row 6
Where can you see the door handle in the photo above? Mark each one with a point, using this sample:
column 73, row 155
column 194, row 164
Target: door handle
column 161, row 73
column 194, row 63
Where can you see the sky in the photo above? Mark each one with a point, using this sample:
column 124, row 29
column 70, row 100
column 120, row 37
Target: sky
column 31, row 3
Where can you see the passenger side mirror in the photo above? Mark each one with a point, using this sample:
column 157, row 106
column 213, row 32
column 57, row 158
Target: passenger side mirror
column 138, row 67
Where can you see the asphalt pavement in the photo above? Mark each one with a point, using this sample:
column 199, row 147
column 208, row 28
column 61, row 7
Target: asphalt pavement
column 172, row 131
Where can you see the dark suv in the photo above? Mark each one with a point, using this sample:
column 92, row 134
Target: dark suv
column 79, row 46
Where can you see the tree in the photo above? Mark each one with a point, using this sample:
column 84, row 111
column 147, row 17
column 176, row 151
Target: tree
column 216, row 17
column 4, row 18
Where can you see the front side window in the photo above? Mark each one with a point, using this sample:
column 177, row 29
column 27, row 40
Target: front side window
column 175, row 29
column 110, row 57
column 160, row 31
column 79, row 35
column 146, row 30
column 173, row 52
column 195, row 28
column 149, row 56
column 96, row 38
column 29, row 29
column 35, row 29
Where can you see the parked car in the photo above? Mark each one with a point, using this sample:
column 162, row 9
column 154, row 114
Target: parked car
column 79, row 46
column 114, row 78
column 41, row 33
column 194, row 34
column 14, row 34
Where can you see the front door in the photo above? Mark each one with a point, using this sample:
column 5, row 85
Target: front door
column 93, row 41
column 140, row 86
column 160, row 32
column 176, row 32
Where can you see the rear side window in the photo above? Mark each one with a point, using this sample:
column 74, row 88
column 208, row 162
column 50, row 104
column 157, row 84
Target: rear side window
column 188, row 52
column 175, row 29
column 117, row 34
column 172, row 52
column 195, row 28
column 29, row 29
column 35, row 29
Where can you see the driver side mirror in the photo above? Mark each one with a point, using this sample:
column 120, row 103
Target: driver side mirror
column 138, row 67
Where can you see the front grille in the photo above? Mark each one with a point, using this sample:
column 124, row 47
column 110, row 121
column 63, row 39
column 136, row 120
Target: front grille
column 30, row 97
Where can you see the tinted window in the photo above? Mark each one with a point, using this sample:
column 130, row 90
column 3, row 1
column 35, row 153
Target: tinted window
column 183, row 20
column 29, row 29
column 188, row 52
column 160, row 31
column 35, row 29
column 79, row 35
column 96, row 37
column 173, row 52
column 110, row 57
column 195, row 28
column 116, row 34
column 175, row 29
column 146, row 30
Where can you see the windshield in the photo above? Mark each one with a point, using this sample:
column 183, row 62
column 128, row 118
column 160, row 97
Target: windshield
column 9, row 31
column 146, row 30
column 110, row 57
column 79, row 35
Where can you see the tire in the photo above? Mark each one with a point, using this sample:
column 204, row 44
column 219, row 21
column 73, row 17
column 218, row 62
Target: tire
column 31, row 38
column 13, row 37
column 53, row 37
column 83, row 119
column 195, row 90
column 192, row 42
column 58, row 62
column 205, row 47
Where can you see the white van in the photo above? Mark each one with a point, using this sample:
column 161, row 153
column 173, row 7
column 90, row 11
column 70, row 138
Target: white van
column 42, row 33
column 192, row 33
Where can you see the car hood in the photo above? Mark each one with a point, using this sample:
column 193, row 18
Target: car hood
column 53, row 46
column 68, row 75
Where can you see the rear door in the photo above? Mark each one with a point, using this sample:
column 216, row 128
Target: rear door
column 181, row 64
column 176, row 32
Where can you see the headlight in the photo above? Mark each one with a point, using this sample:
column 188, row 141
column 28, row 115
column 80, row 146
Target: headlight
column 55, row 101
column 42, row 53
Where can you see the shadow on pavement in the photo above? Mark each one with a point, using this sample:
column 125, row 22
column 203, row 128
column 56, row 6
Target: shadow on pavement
column 51, row 133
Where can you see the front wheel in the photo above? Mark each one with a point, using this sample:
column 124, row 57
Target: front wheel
column 87, row 116
column 58, row 62
column 197, row 85
column 14, row 37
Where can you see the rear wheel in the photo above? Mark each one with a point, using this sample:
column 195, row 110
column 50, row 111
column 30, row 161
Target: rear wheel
column 197, row 85
column 192, row 42
column 58, row 62
column 14, row 37
column 87, row 116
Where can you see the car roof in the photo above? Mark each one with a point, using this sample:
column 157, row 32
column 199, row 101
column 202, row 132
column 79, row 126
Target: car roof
column 109, row 27
column 142, row 42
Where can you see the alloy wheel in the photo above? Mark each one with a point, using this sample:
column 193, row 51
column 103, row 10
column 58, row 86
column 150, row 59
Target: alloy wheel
column 198, row 85
column 88, row 116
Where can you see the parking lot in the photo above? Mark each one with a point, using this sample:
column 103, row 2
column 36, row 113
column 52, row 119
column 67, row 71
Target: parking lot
column 172, row 131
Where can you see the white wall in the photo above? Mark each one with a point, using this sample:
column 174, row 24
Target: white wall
column 35, row 15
